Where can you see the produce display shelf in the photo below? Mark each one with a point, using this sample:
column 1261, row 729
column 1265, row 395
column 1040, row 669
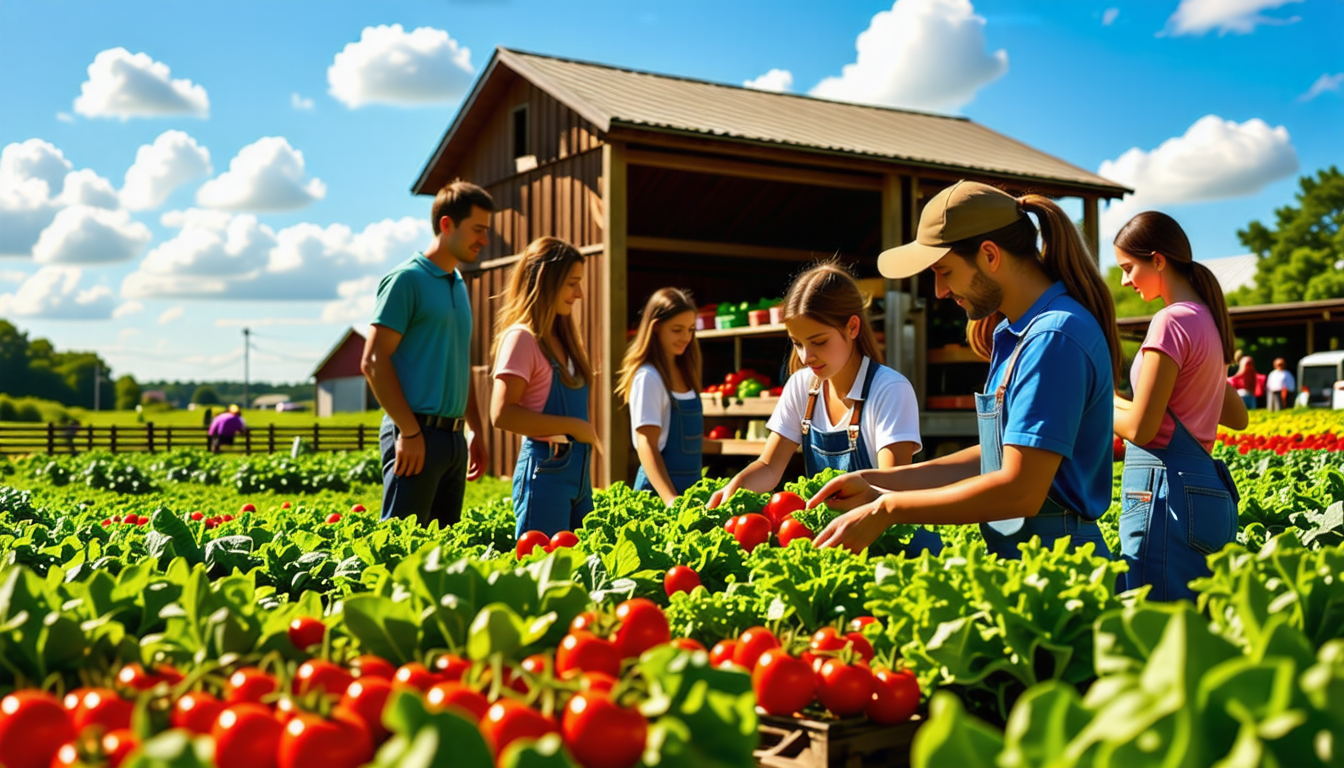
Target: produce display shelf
column 749, row 406
column 733, row 447
column 788, row 742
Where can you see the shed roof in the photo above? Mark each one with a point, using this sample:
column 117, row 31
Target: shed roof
column 1233, row 272
column 360, row 334
column 611, row 97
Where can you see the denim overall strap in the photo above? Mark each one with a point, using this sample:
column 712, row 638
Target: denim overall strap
column 1054, row 520
column 552, row 489
column 682, row 453
column 1177, row 506
column 845, row 450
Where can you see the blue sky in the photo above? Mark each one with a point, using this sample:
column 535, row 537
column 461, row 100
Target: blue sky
column 1211, row 109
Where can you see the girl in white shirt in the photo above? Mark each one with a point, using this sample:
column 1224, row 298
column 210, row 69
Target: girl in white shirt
column 660, row 382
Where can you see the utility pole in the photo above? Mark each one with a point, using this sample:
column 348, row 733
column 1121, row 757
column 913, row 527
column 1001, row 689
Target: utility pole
column 97, row 385
column 247, row 346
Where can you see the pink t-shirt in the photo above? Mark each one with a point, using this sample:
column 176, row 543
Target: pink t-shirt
column 1186, row 332
column 520, row 355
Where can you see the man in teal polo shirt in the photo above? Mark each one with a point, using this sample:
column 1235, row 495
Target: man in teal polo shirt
column 418, row 362
column 1044, row 316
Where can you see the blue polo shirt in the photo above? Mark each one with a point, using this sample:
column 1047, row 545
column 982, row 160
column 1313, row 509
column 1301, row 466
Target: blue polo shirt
column 431, row 310
column 1061, row 397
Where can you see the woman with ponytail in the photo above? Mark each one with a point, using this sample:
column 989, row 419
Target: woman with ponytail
column 1178, row 504
column 1043, row 465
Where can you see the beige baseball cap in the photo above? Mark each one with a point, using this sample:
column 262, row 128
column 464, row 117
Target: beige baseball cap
column 963, row 210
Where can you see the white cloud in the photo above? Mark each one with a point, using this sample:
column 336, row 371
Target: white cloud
column 126, row 333
column 35, row 159
column 126, row 309
column 220, row 255
column 356, row 304
column 1325, row 83
column 391, row 66
column 171, row 161
column 922, row 54
column 83, row 234
column 1197, row 17
column 172, row 315
column 1215, row 159
column 298, row 102
column 1108, row 18
column 84, row 187
column 777, row 80
column 53, row 293
column 65, row 117
column 126, row 85
column 35, row 183
column 266, row 175
column 12, row 276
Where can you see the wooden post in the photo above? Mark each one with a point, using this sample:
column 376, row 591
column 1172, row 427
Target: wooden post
column 90, row 438
column 149, row 436
column 112, row 438
column 247, row 441
column 168, row 438
column 270, row 437
column 317, row 438
column 51, row 437
column 1092, row 226
column 360, row 437
column 610, row 417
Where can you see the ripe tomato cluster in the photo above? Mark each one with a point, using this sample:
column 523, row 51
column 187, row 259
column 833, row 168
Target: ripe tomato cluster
column 833, row 670
column 752, row 530
column 1282, row 444
column 533, row 539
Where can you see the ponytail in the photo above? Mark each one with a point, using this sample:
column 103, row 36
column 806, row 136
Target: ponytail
column 1206, row 285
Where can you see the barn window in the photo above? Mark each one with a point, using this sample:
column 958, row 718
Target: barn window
column 521, row 144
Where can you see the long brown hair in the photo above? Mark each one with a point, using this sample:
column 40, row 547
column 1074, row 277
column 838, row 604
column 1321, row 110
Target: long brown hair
column 1151, row 233
column 663, row 305
column 828, row 294
column 529, row 300
column 1062, row 256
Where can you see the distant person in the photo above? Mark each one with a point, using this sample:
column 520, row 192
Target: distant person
column 209, row 414
column 224, row 427
column 418, row 363
column 70, row 430
column 1248, row 383
column 1281, row 385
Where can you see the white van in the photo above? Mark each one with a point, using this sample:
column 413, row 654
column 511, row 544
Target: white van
column 1316, row 377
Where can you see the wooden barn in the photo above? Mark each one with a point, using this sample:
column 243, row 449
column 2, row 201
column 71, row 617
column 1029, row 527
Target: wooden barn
column 725, row 191
column 339, row 386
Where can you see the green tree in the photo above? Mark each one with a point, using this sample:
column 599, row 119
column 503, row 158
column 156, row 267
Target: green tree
column 205, row 395
column 128, row 393
column 1302, row 257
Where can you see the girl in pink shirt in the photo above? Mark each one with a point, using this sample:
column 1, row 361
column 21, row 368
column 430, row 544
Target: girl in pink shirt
column 541, row 376
column 1178, row 504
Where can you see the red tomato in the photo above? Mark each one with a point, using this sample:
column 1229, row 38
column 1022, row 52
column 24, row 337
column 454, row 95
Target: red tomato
column 586, row 620
column 285, row 505
column 751, row 644
column 782, row 505
column 451, row 667
column 597, row 681
column 226, row 518
column 783, row 684
column 895, row 696
column 358, row 508
column 334, row 517
column 791, row 530
column 722, row 432
column 587, row 652
column 751, row 531
column 733, row 378
column 33, row 726
column 415, row 675
column 565, row 539
column 602, row 734
column 860, row 622
column 248, row 507
column 249, row 684
column 339, row 742
column 117, row 745
column 687, row 644
column 196, row 711
column 306, row 631
column 135, row 677
column 722, row 652
column 366, row 698
column 246, row 736
column 445, row 695
column 142, row 520
column 197, row 515
column 101, row 706
column 536, row 664
column 861, row 645
column 530, row 541
column 679, row 578
column 211, row 523
column 844, row 689
column 130, row 520
column 372, row 666
column 508, row 720
column 642, row 626
column 321, row 674
column 730, row 524
column 827, row 639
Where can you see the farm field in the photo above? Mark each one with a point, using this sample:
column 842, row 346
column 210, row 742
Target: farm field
column 185, row 609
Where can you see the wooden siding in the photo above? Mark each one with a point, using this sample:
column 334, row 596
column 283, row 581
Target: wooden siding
column 555, row 133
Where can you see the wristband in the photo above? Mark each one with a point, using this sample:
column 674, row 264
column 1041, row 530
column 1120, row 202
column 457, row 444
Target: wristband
column 412, row 437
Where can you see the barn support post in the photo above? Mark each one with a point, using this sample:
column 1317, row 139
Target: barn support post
column 610, row 423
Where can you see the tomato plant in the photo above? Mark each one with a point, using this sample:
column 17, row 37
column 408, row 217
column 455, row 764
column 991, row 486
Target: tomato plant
column 33, row 726
column 196, row 711
column 781, row 507
column 680, row 578
column 844, row 689
column 642, row 626
column 246, row 736
column 751, row 531
column 783, row 684
column 508, row 720
column 751, row 644
column 895, row 696
column 470, row 702
column 585, row 652
column 530, row 541
column 306, row 631
column 365, row 698
column 320, row 674
column 792, row 529
column 602, row 734
column 341, row 741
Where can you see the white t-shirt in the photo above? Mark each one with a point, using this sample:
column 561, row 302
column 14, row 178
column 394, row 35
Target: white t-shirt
column 891, row 414
column 649, row 406
column 1280, row 380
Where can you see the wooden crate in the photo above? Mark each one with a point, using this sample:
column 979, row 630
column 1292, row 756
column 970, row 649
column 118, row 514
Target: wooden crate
column 788, row 742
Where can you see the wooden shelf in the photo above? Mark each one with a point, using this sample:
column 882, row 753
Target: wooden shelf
column 749, row 330
column 751, row 406
column 734, row 447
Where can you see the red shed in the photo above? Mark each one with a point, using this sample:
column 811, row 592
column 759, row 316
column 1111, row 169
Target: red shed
column 339, row 384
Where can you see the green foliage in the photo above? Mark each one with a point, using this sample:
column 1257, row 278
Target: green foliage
column 205, row 395
column 128, row 393
column 1300, row 257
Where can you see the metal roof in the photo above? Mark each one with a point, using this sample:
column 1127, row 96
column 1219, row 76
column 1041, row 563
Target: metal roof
column 1234, row 272
column 610, row 96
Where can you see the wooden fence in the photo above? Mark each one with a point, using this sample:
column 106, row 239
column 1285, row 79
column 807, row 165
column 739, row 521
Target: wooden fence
column 51, row 438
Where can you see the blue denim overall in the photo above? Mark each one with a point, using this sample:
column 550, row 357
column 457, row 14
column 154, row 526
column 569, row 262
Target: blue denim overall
column 847, row 451
column 681, row 455
column 552, row 490
column 1054, row 520
column 1177, row 505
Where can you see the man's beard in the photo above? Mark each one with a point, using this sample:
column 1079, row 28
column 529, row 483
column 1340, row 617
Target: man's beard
column 984, row 298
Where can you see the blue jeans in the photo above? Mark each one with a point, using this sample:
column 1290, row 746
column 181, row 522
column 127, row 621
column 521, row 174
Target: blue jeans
column 436, row 491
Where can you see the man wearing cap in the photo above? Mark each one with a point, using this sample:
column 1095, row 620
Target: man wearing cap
column 417, row 360
column 1045, row 318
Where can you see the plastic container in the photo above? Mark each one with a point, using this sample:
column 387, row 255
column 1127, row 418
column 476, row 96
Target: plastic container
column 776, row 314
column 758, row 317
column 704, row 320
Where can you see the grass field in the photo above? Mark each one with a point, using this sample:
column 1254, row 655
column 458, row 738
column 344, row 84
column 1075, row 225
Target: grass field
column 182, row 418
